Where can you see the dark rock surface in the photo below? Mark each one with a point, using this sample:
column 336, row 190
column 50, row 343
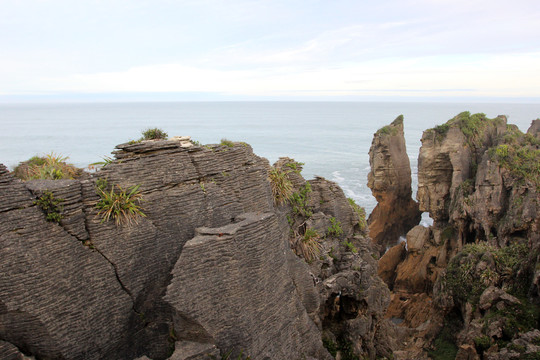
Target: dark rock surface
column 208, row 270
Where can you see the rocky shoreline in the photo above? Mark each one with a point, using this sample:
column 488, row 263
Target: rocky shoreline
column 229, row 257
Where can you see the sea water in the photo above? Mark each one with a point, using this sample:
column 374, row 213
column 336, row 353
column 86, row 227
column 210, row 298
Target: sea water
column 331, row 138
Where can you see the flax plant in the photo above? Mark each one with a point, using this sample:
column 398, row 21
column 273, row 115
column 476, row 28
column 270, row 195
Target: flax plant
column 121, row 205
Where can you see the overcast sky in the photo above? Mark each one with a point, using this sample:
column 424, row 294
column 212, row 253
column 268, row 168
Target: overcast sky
column 273, row 48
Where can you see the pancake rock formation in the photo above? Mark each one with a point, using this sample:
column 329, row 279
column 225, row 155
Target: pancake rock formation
column 212, row 264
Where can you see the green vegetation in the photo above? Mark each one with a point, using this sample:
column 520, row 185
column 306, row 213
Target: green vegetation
column 154, row 134
column 344, row 346
column 444, row 345
column 482, row 343
column 295, row 166
column 387, row 130
column 300, row 201
column 121, row 205
column 282, row 189
column 361, row 213
column 226, row 142
column 50, row 206
column 398, row 121
column 102, row 183
column 107, row 160
column 472, row 126
column 515, row 318
column 51, row 167
column 335, row 228
column 465, row 282
column 309, row 245
column 350, row 246
column 521, row 157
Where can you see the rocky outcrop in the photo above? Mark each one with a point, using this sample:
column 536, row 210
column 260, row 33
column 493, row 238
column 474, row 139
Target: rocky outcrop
column 352, row 299
column 390, row 183
column 208, row 270
column 478, row 179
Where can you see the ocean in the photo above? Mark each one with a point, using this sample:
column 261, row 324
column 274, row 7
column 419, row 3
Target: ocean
column 331, row 138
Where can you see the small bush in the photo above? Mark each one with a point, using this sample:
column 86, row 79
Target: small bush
column 282, row 188
column 350, row 246
column 295, row 166
column 51, row 167
column 300, row 201
column 482, row 343
column 121, row 205
column 226, row 142
column 50, row 206
column 154, row 134
column 335, row 228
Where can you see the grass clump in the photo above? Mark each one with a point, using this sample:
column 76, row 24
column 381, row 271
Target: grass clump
column 282, row 189
column 120, row 204
column 154, row 134
column 50, row 206
column 309, row 245
column 50, row 167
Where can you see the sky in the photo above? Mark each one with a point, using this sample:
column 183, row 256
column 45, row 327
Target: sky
column 271, row 49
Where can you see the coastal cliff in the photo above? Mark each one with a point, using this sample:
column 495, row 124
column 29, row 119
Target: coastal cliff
column 467, row 285
column 218, row 254
column 212, row 263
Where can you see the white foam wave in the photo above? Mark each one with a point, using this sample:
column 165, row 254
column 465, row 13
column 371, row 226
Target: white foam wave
column 426, row 221
column 336, row 176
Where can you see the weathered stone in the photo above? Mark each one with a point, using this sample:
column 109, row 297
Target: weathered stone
column 467, row 352
column 417, row 237
column 389, row 262
column 493, row 295
column 390, row 183
column 231, row 286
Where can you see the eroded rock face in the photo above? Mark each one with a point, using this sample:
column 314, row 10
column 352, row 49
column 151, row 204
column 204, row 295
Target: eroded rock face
column 208, row 270
column 390, row 182
column 352, row 299
column 474, row 182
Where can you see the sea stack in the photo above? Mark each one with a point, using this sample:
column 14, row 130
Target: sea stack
column 390, row 183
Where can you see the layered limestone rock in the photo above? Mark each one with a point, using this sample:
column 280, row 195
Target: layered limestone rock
column 352, row 299
column 479, row 181
column 390, row 183
column 209, row 269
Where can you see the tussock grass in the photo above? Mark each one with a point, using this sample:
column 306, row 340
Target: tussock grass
column 282, row 189
column 51, row 166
